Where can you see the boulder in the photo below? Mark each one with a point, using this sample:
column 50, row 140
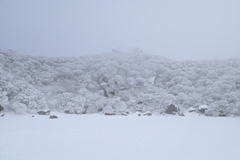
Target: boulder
column 53, row 117
column 85, row 111
column 1, row 108
column 44, row 112
column 1, row 114
column 191, row 109
column 202, row 108
column 171, row 109
column 148, row 113
column 110, row 114
column 222, row 113
column 68, row 112
column 125, row 113
column 138, row 113
column 181, row 114
column 139, row 110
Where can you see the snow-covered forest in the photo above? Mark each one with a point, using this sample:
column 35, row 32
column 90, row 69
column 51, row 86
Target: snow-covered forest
column 118, row 82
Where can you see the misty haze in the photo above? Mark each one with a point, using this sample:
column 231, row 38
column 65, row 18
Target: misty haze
column 119, row 80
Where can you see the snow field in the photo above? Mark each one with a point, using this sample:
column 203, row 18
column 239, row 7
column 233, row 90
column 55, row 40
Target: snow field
column 98, row 137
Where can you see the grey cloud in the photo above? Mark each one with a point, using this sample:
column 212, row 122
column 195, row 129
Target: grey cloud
column 174, row 29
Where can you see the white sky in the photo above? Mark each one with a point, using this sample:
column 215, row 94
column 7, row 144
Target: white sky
column 180, row 30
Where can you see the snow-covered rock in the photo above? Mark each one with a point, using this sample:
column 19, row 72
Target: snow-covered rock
column 68, row 112
column 44, row 112
column 125, row 113
column 222, row 113
column 192, row 109
column 148, row 113
column 181, row 114
column 202, row 108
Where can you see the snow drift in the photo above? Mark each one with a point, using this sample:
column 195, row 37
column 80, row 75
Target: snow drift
column 96, row 137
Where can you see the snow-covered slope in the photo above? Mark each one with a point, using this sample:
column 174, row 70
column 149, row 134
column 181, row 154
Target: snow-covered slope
column 117, row 82
column 96, row 137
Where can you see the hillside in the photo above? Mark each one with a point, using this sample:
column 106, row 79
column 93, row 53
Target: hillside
column 118, row 82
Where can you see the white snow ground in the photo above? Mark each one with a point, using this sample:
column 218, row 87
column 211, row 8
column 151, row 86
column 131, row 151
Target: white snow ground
column 98, row 137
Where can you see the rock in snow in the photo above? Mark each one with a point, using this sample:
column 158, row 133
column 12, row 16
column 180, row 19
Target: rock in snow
column 110, row 114
column 124, row 114
column 148, row 113
column 181, row 114
column 191, row 109
column 68, row 112
column 1, row 108
column 222, row 113
column 53, row 117
column 202, row 108
column 44, row 112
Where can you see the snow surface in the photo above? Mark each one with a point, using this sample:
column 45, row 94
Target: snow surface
column 98, row 137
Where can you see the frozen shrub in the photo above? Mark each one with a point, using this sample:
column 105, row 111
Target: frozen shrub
column 209, row 112
column 130, row 81
column 171, row 109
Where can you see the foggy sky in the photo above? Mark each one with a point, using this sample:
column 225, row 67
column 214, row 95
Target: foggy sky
column 180, row 30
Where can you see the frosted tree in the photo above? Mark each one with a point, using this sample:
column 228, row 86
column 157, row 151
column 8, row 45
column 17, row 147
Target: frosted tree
column 117, row 81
